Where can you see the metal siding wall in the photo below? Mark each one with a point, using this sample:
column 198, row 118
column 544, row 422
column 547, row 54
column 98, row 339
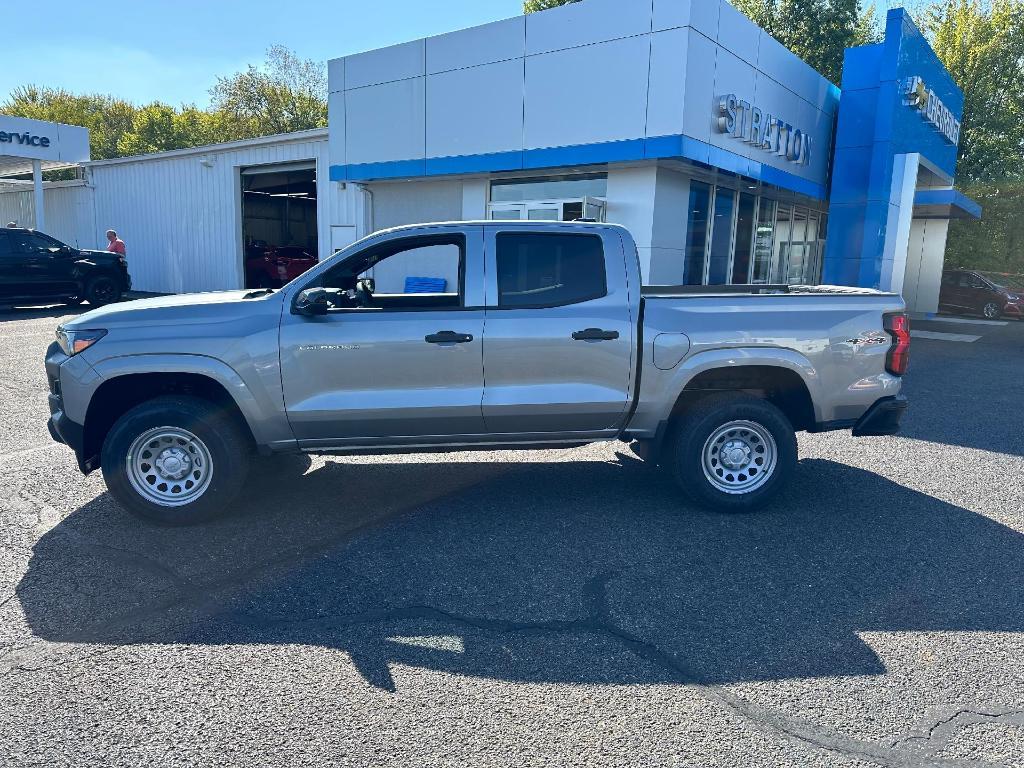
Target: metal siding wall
column 69, row 212
column 16, row 206
column 181, row 220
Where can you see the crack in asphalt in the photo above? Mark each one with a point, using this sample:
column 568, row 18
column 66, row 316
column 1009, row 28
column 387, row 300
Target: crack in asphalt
column 200, row 596
column 938, row 734
column 600, row 622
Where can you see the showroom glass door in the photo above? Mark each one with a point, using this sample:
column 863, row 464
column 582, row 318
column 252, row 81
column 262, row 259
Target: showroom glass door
column 764, row 241
column 721, row 236
column 741, row 260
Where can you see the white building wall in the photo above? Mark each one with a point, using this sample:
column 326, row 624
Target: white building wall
column 651, row 202
column 179, row 213
column 588, row 73
column 416, row 202
column 925, row 256
column 69, row 211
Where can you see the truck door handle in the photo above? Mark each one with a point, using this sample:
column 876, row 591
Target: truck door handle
column 448, row 337
column 595, row 334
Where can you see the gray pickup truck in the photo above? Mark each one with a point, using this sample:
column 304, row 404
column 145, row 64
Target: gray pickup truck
column 464, row 336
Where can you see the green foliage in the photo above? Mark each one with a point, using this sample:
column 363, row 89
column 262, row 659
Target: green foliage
column 532, row 6
column 285, row 94
column 818, row 31
column 982, row 46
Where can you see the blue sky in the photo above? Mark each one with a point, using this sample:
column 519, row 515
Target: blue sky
column 146, row 50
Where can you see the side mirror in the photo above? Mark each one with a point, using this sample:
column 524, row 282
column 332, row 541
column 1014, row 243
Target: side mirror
column 312, row 302
column 367, row 285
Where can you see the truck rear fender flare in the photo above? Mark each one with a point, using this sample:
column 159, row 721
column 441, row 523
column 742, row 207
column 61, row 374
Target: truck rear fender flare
column 738, row 358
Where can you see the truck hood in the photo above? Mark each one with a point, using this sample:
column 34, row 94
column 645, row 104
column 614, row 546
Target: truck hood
column 183, row 308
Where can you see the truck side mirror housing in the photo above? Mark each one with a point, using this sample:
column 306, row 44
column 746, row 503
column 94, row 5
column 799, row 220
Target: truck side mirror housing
column 311, row 302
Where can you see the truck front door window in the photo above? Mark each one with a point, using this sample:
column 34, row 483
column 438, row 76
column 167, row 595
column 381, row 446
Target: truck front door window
column 425, row 273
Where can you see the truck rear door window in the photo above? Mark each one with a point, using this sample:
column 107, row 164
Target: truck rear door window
column 549, row 270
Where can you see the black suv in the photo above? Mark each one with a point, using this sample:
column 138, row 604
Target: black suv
column 36, row 267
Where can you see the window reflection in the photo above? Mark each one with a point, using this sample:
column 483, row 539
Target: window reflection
column 764, row 241
column 744, row 239
column 721, row 236
column 696, row 233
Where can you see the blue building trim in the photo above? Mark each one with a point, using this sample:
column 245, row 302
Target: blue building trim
column 676, row 147
column 876, row 128
column 951, row 197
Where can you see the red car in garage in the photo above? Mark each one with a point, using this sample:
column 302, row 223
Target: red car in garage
column 272, row 266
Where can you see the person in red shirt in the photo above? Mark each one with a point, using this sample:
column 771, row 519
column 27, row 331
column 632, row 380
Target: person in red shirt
column 115, row 244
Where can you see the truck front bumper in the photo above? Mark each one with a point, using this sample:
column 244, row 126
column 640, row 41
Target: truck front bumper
column 61, row 427
column 882, row 418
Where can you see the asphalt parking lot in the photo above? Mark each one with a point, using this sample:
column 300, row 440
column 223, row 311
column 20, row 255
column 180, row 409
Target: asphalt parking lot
column 545, row 608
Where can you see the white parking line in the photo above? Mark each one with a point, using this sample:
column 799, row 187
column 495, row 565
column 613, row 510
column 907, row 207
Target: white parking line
column 943, row 336
column 966, row 321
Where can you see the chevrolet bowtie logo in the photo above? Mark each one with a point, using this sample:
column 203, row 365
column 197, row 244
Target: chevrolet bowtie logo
column 918, row 95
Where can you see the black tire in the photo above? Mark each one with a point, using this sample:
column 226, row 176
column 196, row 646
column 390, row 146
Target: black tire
column 101, row 290
column 991, row 310
column 694, row 430
column 221, row 436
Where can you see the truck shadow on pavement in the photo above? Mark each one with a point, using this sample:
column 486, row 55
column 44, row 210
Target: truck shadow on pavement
column 563, row 571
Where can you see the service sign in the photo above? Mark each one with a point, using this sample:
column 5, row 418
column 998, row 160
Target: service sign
column 26, row 139
column 52, row 143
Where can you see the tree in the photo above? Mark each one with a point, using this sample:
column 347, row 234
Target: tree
column 982, row 46
column 532, row 6
column 818, row 31
column 107, row 118
column 287, row 94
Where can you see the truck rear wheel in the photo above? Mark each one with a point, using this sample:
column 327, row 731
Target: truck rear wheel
column 732, row 452
column 175, row 460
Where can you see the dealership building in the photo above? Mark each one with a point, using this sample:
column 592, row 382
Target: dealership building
column 728, row 158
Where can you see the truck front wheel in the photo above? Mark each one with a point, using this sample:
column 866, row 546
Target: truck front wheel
column 175, row 460
column 732, row 452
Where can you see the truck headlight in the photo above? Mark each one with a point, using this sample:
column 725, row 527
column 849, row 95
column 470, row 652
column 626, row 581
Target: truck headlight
column 75, row 341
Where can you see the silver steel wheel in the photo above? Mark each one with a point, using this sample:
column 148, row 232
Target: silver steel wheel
column 739, row 457
column 169, row 466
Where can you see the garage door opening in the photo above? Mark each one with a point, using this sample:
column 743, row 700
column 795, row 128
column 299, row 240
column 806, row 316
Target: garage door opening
column 279, row 227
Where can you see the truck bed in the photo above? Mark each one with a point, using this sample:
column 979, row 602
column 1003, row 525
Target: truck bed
column 675, row 291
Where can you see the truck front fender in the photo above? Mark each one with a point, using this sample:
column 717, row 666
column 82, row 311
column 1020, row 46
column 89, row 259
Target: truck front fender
column 261, row 409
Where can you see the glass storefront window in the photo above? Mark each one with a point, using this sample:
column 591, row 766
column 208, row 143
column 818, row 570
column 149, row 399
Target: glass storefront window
column 822, row 237
column 721, row 236
column 696, row 233
column 783, row 231
column 764, row 241
column 549, row 188
column 798, row 247
column 744, row 239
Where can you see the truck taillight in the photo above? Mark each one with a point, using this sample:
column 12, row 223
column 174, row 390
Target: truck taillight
column 898, row 359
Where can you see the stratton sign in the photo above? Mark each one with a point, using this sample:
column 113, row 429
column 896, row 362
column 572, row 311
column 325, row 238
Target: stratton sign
column 919, row 96
column 765, row 131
